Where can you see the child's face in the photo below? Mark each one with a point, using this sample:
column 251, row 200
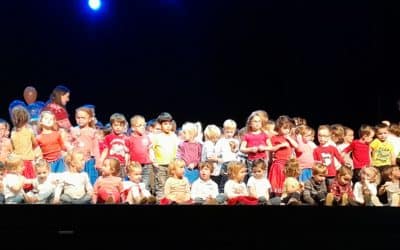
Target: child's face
column 82, row 118
column 166, row 127
column 78, row 162
column 258, row 172
column 229, row 132
column 395, row 173
column 349, row 136
column 256, row 123
column 323, row 136
column 285, row 130
column 106, row 168
column 179, row 170
column 319, row 178
column 42, row 172
column 205, row 173
column 368, row 138
column 47, row 120
column 118, row 127
column 136, row 175
column 381, row 134
column 241, row 174
column 139, row 126
column 344, row 179
column 188, row 135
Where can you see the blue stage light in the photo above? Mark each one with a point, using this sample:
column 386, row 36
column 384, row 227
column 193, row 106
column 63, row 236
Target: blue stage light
column 94, row 4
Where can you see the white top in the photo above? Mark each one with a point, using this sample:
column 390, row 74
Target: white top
column 204, row 189
column 233, row 189
column 137, row 189
column 358, row 194
column 261, row 186
column 74, row 184
column 9, row 180
column 209, row 150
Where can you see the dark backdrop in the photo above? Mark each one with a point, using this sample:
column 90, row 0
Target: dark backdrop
column 208, row 60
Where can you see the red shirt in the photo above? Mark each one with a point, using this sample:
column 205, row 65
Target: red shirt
column 361, row 153
column 326, row 155
column 256, row 140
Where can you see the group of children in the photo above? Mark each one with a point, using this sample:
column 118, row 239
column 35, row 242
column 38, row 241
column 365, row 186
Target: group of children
column 49, row 161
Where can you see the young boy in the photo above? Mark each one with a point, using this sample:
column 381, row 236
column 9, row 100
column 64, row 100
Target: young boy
column 204, row 190
column 117, row 143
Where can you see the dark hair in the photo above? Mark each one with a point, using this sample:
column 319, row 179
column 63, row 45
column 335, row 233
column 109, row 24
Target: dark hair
column 58, row 91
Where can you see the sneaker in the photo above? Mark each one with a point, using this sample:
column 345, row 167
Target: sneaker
column 329, row 199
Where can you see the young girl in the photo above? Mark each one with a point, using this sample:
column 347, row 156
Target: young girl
column 365, row 190
column 135, row 190
column 304, row 152
column 13, row 181
column 23, row 141
column 108, row 187
column 139, row 150
column 315, row 190
column 235, row 189
column 255, row 142
column 51, row 143
column 74, row 185
column 5, row 142
column 258, row 185
column 84, row 138
column 56, row 104
column 189, row 150
column 177, row 186
column 283, row 146
column 341, row 191
column 204, row 190
column 43, row 185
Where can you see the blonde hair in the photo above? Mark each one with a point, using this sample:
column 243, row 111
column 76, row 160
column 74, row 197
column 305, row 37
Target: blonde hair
column 376, row 179
column 229, row 123
column 90, row 112
column 173, row 165
column 234, row 168
column 13, row 162
column 47, row 112
column 212, row 132
column 132, row 166
column 206, row 164
column 41, row 163
column 115, row 166
column 71, row 156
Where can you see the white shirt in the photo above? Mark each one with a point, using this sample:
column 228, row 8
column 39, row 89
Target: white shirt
column 204, row 189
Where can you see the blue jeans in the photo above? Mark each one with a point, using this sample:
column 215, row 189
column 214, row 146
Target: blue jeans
column 148, row 176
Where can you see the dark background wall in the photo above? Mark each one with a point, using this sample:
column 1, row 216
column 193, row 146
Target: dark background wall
column 206, row 60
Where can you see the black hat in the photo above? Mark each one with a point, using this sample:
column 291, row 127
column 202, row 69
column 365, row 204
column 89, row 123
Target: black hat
column 164, row 116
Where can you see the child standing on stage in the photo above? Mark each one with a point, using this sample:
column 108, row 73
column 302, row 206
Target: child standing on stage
column 189, row 150
column 164, row 148
column 117, row 143
column 140, row 145
column 326, row 153
column 283, row 146
column 254, row 142
column 23, row 141
column 84, row 138
column 50, row 142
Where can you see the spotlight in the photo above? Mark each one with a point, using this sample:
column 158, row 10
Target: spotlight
column 94, row 4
